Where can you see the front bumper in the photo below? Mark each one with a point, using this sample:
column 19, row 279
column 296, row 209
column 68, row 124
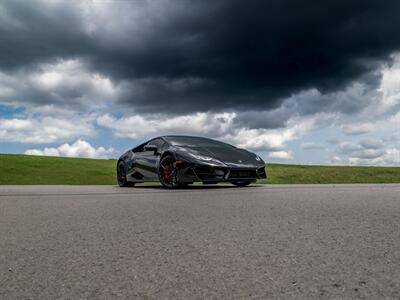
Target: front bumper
column 213, row 174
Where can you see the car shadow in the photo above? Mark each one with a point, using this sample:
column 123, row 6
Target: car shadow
column 194, row 187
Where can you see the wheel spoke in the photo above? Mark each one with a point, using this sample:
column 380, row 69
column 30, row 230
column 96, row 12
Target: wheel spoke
column 168, row 172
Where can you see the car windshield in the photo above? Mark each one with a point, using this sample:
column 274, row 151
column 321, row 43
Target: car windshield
column 195, row 142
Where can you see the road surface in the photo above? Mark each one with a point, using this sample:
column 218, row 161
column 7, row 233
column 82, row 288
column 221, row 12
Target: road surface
column 278, row 241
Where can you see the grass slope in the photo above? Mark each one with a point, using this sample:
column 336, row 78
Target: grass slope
column 26, row 169
column 278, row 173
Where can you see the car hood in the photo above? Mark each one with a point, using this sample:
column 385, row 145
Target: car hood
column 232, row 157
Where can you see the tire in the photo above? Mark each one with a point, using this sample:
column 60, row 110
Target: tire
column 241, row 183
column 121, row 176
column 167, row 173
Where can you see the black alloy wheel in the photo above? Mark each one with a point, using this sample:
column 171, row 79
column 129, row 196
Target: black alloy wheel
column 121, row 176
column 167, row 173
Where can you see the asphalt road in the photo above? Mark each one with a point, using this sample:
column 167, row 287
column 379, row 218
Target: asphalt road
column 281, row 242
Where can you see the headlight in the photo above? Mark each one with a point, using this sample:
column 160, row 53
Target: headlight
column 201, row 157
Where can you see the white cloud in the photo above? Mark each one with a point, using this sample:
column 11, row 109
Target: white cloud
column 371, row 144
column 80, row 148
column 367, row 152
column 71, row 73
column 381, row 107
column 217, row 125
column 62, row 84
column 43, row 130
column 281, row 154
column 390, row 85
column 137, row 126
column 388, row 157
column 360, row 150
column 358, row 129
column 271, row 140
column 384, row 122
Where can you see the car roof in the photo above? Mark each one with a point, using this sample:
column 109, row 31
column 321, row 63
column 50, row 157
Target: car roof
column 190, row 136
column 165, row 137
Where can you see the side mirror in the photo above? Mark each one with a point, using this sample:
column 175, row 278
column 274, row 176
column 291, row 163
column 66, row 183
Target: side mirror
column 150, row 148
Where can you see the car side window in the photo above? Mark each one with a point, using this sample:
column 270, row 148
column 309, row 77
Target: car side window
column 164, row 146
column 157, row 142
column 138, row 149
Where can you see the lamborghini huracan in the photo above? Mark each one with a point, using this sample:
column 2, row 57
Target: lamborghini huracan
column 176, row 161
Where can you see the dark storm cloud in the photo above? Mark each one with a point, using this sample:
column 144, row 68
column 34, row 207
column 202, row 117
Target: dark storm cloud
column 187, row 56
column 262, row 119
column 31, row 34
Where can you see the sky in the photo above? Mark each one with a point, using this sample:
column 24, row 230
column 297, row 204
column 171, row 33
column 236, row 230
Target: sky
column 310, row 82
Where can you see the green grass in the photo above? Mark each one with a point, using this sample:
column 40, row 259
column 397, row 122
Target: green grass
column 25, row 169
column 278, row 173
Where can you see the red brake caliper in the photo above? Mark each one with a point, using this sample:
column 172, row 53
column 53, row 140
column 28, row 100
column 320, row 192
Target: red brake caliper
column 166, row 172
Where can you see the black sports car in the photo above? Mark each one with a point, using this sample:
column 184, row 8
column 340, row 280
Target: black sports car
column 177, row 161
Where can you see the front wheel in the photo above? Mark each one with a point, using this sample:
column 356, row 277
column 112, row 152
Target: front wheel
column 121, row 176
column 168, row 173
column 241, row 183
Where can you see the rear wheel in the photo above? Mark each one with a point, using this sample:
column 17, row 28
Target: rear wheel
column 168, row 173
column 241, row 183
column 121, row 176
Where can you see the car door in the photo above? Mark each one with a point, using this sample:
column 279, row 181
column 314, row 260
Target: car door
column 147, row 161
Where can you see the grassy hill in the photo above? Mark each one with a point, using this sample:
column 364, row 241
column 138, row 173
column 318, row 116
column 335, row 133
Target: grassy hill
column 26, row 169
column 331, row 174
